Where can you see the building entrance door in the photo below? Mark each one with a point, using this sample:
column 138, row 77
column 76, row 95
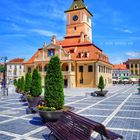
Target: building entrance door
column 65, row 83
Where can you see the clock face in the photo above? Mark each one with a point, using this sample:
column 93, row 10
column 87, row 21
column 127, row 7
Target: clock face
column 75, row 17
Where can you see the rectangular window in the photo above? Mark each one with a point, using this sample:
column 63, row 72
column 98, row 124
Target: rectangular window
column 81, row 68
column 90, row 68
column 67, row 68
column 81, row 81
column 45, row 68
column 29, row 69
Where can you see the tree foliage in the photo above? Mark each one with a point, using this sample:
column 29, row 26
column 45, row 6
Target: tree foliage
column 28, row 81
column 1, row 68
column 15, row 82
column 101, row 84
column 22, row 82
column 19, row 84
column 36, row 84
column 54, row 84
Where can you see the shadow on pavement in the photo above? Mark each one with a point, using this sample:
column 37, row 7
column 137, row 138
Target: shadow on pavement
column 36, row 121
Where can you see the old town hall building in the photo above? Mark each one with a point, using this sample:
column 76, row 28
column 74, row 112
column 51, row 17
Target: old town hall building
column 82, row 61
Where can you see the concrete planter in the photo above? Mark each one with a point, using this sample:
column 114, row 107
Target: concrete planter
column 23, row 98
column 139, row 90
column 99, row 93
column 33, row 101
column 52, row 116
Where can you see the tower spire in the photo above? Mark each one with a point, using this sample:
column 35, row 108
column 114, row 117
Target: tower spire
column 77, row 5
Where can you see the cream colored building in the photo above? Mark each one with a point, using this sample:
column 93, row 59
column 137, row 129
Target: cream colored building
column 82, row 61
column 15, row 69
column 134, row 66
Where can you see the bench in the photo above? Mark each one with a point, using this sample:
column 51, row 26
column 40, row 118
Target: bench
column 71, row 126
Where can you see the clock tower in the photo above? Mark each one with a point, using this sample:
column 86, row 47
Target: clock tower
column 78, row 20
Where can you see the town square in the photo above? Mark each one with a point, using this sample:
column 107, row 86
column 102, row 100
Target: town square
column 69, row 70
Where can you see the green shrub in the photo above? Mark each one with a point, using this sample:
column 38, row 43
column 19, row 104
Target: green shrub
column 28, row 81
column 54, row 84
column 22, row 84
column 36, row 84
column 15, row 82
column 101, row 84
column 19, row 84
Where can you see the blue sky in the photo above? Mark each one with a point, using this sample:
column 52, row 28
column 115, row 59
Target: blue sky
column 26, row 24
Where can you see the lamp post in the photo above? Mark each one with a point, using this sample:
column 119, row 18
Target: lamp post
column 5, row 58
column 139, row 77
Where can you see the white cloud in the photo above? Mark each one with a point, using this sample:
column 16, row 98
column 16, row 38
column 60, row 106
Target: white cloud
column 117, row 60
column 123, row 30
column 127, row 31
column 133, row 54
column 47, row 33
column 43, row 32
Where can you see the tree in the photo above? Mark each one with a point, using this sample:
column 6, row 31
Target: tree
column 15, row 82
column 22, row 84
column 54, row 84
column 1, row 68
column 28, row 81
column 101, row 84
column 18, row 84
column 36, row 84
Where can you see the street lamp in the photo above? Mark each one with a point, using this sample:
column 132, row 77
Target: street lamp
column 139, row 78
column 5, row 58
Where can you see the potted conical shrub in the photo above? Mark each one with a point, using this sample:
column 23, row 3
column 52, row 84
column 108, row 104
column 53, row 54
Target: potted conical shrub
column 28, row 81
column 22, row 89
column 27, row 86
column 139, row 86
column 18, row 87
column 15, row 82
column 22, row 84
column 35, row 90
column 53, row 105
column 101, row 86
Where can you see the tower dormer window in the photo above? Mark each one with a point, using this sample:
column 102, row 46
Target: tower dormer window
column 79, row 55
column 75, row 6
column 86, row 54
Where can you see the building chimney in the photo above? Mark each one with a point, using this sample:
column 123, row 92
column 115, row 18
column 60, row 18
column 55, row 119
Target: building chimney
column 54, row 39
column 82, row 38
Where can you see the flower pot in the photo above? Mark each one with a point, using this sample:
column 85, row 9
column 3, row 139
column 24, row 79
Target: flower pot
column 17, row 90
column 23, row 98
column 99, row 93
column 33, row 101
column 139, row 90
column 52, row 116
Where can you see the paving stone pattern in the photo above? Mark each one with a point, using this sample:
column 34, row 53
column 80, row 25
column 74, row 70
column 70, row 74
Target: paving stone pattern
column 119, row 111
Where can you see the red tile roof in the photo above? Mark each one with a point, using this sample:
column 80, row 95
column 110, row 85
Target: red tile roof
column 17, row 60
column 31, row 60
column 120, row 67
column 74, row 46
column 133, row 59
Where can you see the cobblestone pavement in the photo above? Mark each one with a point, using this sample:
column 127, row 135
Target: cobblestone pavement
column 119, row 111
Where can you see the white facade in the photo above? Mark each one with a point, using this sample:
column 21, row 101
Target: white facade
column 117, row 74
column 14, row 71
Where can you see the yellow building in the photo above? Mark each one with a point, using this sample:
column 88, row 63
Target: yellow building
column 134, row 66
column 82, row 61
